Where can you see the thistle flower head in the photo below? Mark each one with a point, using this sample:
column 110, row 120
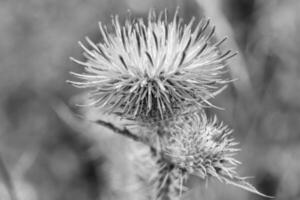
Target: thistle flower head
column 204, row 148
column 201, row 146
column 154, row 69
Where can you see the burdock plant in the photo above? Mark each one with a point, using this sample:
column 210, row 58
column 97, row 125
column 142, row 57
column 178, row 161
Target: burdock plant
column 160, row 75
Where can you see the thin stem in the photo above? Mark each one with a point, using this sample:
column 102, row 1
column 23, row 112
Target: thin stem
column 127, row 133
column 7, row 180
column 124, row 131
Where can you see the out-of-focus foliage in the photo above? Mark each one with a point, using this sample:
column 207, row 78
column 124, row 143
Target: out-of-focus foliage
column 51, row 157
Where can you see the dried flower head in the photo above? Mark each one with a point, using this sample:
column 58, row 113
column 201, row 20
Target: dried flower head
column 204, row 148
column 153, row 70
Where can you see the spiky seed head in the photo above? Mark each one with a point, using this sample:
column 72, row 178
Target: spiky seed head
column 204, row 148
column 199, row 145
column 155, row 69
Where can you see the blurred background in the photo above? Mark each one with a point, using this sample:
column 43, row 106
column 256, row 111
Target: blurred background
column 48, row 154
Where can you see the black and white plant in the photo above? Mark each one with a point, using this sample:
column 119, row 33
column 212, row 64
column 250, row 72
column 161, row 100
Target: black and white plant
column 161, row 76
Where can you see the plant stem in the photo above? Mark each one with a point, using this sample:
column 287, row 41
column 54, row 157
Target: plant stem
column 7, row 180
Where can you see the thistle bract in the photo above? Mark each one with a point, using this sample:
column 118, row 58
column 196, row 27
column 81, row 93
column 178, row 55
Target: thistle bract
column 154, row 69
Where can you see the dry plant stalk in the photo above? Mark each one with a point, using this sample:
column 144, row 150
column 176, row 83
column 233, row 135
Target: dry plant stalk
column 161, row 75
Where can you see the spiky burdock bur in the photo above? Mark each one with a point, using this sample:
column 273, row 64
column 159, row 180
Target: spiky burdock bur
column 153, row 70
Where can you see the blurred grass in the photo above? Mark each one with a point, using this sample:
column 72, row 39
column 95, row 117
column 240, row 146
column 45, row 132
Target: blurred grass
column 47, row 157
